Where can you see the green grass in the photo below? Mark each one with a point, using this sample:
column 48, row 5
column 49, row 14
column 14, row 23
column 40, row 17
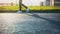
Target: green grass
column 9, row 8
column 30, row 7
column 44, row 7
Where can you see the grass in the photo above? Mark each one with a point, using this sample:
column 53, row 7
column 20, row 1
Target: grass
column 44, row 7
column 9, row 8
column 30, row 7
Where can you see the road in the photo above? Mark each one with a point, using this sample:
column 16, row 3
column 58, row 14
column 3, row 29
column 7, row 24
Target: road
column 29, row 23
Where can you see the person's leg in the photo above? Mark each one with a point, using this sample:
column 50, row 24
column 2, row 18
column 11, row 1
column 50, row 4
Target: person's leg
column 27, row 9
column 24, row 6
column 20, row 6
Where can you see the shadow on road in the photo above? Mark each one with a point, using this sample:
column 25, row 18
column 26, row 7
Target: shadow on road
column 57, row 23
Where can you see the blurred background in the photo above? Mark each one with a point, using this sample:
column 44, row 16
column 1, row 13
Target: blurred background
column 31, row 4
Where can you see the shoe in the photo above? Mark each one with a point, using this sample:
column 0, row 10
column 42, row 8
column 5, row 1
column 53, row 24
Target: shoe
column 19, row 11
column 27, row 10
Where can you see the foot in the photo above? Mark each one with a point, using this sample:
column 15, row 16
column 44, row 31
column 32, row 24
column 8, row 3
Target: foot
column 19, row 11
column 27, row 10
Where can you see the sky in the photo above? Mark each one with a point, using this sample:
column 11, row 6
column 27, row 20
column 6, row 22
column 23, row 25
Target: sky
column 26, row 2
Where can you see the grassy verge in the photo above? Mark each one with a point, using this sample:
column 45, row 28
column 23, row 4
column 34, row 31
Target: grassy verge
column 30, row 7
column 9, row 8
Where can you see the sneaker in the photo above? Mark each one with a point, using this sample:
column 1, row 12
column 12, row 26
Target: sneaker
column 19, row 11
column 27, row 10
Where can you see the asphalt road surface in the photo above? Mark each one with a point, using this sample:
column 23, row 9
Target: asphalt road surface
column 29, row 23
